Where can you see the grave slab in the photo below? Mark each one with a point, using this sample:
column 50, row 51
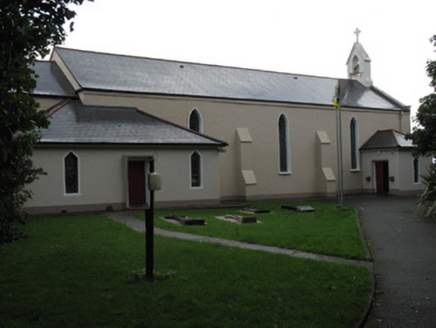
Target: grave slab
column 298, row 208
column 255, row 211
column 238, row 218
column 185, row 220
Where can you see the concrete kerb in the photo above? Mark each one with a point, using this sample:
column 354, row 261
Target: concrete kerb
column 361, row 323
column 127, row 219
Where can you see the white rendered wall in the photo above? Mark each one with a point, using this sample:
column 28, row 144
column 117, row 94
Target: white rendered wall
column 103, row 177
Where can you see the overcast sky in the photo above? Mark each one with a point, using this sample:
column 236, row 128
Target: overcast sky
column 312, row 37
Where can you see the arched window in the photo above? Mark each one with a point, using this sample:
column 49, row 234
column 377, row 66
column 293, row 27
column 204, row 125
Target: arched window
column 356, row 68
column 71, row 173
column 284, row 156
column 354, row 144
column 195, row 121
column 195, row 166
column 416, row 171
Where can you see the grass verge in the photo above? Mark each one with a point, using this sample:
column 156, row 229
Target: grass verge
column 77, row 272
column 328, row 230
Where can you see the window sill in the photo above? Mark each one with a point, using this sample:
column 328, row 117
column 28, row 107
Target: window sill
column 355, row 170
column 285, row 173
column 196, row 188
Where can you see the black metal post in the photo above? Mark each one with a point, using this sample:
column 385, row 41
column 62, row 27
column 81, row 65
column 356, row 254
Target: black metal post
column 149, row 233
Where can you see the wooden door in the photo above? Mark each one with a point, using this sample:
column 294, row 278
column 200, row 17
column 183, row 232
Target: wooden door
column 136, row 177
column 382, row 177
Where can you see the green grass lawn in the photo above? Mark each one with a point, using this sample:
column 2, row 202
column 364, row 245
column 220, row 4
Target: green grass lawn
column 328, row 230
column 76, row 271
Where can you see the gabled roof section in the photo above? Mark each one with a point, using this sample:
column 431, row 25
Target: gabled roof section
column 387, row 139
column 358, row 48
column 117, row 73
column 51, row 81
column 73, row 122
column 355, row 94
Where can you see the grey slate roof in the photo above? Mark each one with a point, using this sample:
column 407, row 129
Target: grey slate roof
column 387, row 139
column 73, row 122
column 51, row 81
column 99, row 71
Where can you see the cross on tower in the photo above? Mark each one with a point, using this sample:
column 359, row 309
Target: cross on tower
column 357, row 32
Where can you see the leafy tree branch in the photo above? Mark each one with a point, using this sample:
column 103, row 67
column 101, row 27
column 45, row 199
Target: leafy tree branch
column 28, row 28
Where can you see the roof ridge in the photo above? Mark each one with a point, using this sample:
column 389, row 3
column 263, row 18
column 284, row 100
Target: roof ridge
column 88, row 120
column 57, row 107
column 43, row 61
column 181, row 127
column 389, row 98
column 199, row 64
column 134, row 74
column 137, row 110
column 394, row 137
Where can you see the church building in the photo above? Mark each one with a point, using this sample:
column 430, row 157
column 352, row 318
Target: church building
column 214, row 133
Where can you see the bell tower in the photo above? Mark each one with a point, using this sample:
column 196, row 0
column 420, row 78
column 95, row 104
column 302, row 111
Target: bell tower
column 359, row 63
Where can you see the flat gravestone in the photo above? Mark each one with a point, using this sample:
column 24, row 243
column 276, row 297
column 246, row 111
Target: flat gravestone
column 185, row 220
column 238, row 218
column 242, row 219
column 255, row 211
column 298, row 208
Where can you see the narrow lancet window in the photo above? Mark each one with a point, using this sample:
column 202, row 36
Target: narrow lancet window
column 195, row 121
column 284, row 157
column 354, row 144
column 356, row 65
column 71, row 171
column 195, row 170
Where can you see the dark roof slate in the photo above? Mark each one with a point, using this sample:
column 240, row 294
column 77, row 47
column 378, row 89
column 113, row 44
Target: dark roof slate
column 387, row 139
column 51, row 81
column 73, row 122
column 119, row 73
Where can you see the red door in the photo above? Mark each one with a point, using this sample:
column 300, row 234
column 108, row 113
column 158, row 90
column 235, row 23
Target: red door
column 136, row 177
column 382, row 177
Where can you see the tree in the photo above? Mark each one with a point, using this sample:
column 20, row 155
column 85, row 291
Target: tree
column 424, row 137
column 424, row 134
column 28, row 28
